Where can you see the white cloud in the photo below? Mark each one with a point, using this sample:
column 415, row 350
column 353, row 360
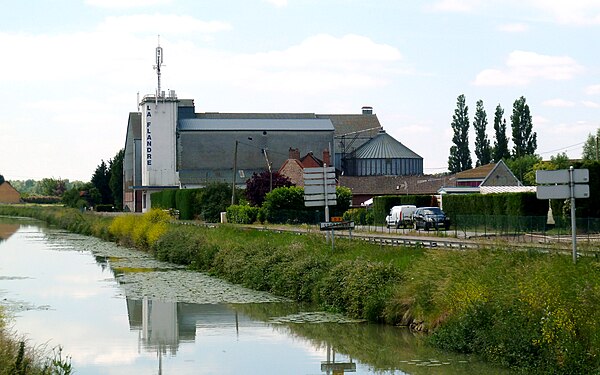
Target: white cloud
column 593, row 90
column 278, row 3
column 573, row 12
column 523, row 67
column 514, row 27
column 155, row 23
column 459, row 6
column 559, row 103
column 121, row 4
column 590, row 104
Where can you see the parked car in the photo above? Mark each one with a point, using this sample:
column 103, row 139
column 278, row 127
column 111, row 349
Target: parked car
column 400, row 216
column 430, row 217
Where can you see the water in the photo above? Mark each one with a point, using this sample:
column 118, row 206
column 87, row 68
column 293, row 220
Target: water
column 118, row 311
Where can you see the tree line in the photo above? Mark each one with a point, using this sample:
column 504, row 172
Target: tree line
column 523, row 137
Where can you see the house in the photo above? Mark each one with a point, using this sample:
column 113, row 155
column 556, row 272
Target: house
column 486, row 179
column 293, row 167
column 9, row 194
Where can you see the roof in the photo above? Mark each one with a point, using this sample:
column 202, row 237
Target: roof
column 384, row 146
column 393, row 185
column 346, row 124
column 245, row 124
column 459, row 190
column 506, row 189
column 479, row 173
column 255, row 116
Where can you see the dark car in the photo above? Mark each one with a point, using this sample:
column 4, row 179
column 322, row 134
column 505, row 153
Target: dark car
column 430, row 217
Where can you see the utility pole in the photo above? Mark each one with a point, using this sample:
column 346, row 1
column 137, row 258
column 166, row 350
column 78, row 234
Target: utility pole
column 234, row 172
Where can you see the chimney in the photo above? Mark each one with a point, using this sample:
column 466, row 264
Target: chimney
column 367, row 110
column 294, row 153
column 326, row 158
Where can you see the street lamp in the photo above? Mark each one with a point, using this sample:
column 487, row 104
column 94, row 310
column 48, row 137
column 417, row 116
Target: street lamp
column 235, row 152
column 269, row 166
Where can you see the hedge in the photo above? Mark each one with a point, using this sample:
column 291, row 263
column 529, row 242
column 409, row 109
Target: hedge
column 504, row 204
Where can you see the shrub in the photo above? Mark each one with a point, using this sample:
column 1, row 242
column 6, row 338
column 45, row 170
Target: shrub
column 242, row 214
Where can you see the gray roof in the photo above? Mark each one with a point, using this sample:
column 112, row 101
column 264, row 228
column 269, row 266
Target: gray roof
column 246, row 124
column 384, row 146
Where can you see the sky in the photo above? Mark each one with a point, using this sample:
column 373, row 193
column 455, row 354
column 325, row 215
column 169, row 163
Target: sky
column 71, row 71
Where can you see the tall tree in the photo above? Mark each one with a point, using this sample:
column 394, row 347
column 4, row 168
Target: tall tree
column 590, row 148
column 483, row 149
column 116, row 179
column 100, row 180
column 500, row 150
column 460, row 156
column 524, row 139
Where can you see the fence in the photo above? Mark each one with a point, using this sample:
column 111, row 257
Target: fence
column 511, row 228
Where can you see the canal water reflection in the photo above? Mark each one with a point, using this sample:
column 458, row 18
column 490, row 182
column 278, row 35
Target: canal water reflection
column 117, row 311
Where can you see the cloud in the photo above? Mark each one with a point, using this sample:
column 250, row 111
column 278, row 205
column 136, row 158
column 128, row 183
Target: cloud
column 278, row 3
column 319, row 63
column 593, row 90
column 514, row 27
column 573, row 12
column 456, row 6
column 124, row 4
column 590, row 104
column 524, row 67
column 154, row 23
column 559, row 103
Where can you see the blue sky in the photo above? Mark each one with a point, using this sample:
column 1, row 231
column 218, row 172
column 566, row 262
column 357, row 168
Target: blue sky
column 71, row 70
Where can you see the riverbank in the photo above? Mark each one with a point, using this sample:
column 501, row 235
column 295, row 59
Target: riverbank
column 528, row 311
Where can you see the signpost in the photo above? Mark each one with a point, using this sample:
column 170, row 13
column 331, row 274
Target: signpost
column 564, row 184
column 319, row 189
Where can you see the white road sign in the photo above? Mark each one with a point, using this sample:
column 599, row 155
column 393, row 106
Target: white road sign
column 561, row 191
column 580, row 176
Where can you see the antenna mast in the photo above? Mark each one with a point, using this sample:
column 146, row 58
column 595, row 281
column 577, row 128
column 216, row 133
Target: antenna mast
column 159, row 61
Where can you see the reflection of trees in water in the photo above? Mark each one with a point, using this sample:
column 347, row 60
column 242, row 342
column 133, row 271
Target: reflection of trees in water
column 380, row 347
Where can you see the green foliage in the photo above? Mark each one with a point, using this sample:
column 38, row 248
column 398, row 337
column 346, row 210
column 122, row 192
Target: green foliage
column 460, row 156
column 185, row 201
column 259, row 185
column 242, row 214
column 483, row 150
column 522, row 165
column 523, row 136
column 1, row 179
column 590, row 148
column 286, row 205
column 212, row 200
column 100, row 180
column 115, row 181
column 500, row 150
column 142, row 231
column 508, row 204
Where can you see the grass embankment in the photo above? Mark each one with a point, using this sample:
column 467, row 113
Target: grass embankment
column 525, row 310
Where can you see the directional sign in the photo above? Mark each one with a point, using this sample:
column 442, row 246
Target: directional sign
column 319, row 197
column 319, row 203
column 580, row 176
column 319, row 170
column 562, row 191
column 319, row 189
column 340, row 225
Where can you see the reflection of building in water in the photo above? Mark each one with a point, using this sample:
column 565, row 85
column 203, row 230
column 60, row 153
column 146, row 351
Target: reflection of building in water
column 7, row 230
column 165, row 324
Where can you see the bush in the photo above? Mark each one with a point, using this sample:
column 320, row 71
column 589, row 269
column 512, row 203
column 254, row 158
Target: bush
column 242, row 214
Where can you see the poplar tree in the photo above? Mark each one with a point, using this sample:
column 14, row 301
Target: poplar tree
column 501, row 142
column 483, row 150
column 524, row 139
column 460, row 156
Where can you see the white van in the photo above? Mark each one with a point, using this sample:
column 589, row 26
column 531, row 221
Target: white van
column 400, row 216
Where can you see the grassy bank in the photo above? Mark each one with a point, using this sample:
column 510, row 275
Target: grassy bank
column 525, row 310
column 18, row 359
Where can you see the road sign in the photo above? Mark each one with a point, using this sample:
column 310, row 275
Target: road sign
column 337, row 219
column 319, row 203
column 340, row 225
column 318, row 189
column 319, row 170
column 580, row 176
column 562, row 191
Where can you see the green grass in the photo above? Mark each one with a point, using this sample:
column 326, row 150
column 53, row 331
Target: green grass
column 527, row 310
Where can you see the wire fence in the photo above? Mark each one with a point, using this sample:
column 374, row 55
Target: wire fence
column 511, row 228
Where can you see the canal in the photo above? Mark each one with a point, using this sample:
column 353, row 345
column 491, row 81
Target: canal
column 114, row 310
